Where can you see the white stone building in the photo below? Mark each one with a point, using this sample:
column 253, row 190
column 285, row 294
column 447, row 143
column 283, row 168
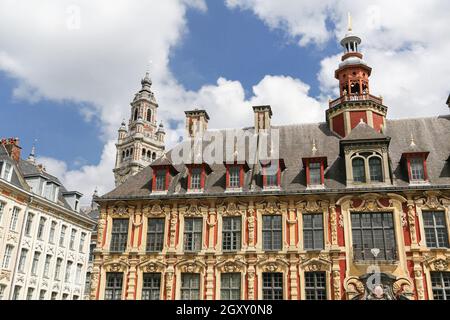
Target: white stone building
column 44, row 239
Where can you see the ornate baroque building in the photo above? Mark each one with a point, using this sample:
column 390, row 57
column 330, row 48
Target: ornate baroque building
column 143, row 141
column 357, row 207
column 44, row 238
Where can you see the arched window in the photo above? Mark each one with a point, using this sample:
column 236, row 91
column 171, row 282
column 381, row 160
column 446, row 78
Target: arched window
column 123, row 155
column 128, row 153
column 359, row 170
column 149, row 115
column 154, row 156
column 135, row 114
column 149, row 154
column 376, row 172
column 143, row 152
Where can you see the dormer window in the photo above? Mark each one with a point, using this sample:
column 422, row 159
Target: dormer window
column 359, row 170
column 195, row 179
column 6, row 170
column 367, row 167
column 416, row 165
column 417, row 170
column 315, row 171
column 235, row 175
column 51, row 191
column 160, row 183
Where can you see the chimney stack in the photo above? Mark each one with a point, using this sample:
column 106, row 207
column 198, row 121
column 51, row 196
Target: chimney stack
column 196, row 123
column 13, row 148
column 263, row 115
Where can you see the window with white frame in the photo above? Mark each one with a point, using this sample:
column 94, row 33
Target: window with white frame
column 119, row 235
column 7, row 256
column 51, row 191
column 35, row 265
column 196, row 177
column 151, row 286
column 272, row 286
column 22, row 260
column 417, row 169
column 359, row 170
column 160, row 177
column 367, row 167
column 68, row 274
column 6, row 170
column 41, row 228
column 230, row 286
column 376, row 170
column 440, row 284
column 315, row 173
column 82, row 241
column 235, row 177
column 51, row 235
column 190, row 286
column 48, row 259
column 29, row 224
column 2, row 209
column 62, row 236
column 435, row 226
column 78, row 273
column 58, row 268
column 14, row 219
column 315, row 286
column 73, row 234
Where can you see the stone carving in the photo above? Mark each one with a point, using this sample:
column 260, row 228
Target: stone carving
column 12, row 237
column 380, row 286
column 4, row 274
column 432, row 200
column 337, row 284
column 370, row 203
column 251, row 227
column 271, row 267
column 121, row 210
column 440, row 265
column 230, row 267
column 173, row 227
column 169, row 285
column 418, row 275
column 231, row 209
column 194, row 210
column 333, row 223
column 251, row 283
column 412, row 221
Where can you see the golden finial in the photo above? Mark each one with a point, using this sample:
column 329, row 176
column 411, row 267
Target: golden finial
column 314, row 148
column 350, row 28
column 413, row 143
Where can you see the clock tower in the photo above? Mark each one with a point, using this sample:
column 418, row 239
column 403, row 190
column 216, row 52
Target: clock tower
column 142, row 141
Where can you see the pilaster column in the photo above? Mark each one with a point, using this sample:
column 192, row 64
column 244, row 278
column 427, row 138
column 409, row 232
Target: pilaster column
column 412, row 223
column 293, row 277
column 212, row 224
column 169, row 282
column 210, row 278
column 251, row 278
column 251, row 226
column 173, row 229
column 292, row 220
column 418, row 278
column 334, row 227
column 131, row 285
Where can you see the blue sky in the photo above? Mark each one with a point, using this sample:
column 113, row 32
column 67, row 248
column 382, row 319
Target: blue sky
column 70, row 68
column 220, row 43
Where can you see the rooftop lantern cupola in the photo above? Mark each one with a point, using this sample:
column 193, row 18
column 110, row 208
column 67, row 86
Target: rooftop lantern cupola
column 355, row 101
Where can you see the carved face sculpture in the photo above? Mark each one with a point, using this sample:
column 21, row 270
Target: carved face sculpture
column 378, row 292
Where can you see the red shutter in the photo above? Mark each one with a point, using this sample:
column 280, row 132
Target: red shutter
column 425, row 171
column 307, row 173
column 322, row 172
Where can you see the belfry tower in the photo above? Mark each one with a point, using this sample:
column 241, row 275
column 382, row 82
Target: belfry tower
column 355, row 103
column 143, row 141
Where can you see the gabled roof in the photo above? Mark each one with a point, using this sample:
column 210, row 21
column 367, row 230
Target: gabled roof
column 364, row 132
column 295, row 144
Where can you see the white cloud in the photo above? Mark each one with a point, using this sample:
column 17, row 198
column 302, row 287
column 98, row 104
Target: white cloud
column 405, row 45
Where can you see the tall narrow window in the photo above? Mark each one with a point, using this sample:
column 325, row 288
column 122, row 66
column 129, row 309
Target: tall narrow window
column 2, row 209
column 373, row 236
column 231, row 233
column 30, row 293
column 16, row 292
column 235, row 176
column 315, row 173
column 7, row 256
column 160, row 180
column 196, row 177
column 48, row 259
column 68, row 271
column 73, row 234
column 230, row 286
column 119, row 235
column 7, row 171
column 82, row 241
column 190, row 286
column 417, row 169
column 87, row 283
column 155, row 235
column 272, row 232
column 440, row 283
column 272, row 286
column 35, row 265
column 376, row 172
column 42, row 294
column 149, row 115
column 62, row 236
column 315, row 286
column 41, row 228
column 29, row 224
column 22, row 260
column 113, row 290
column 359, row 170
column 51, row 236
column 313, row 232
column 193, row 234
column 2, row 291
column 151, row 286
column 78, row 274
column 54, row 295
column 14, row 218
column 435, row 226
column 58, row 268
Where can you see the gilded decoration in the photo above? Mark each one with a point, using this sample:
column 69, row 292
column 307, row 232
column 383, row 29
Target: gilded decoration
column 193, row 209
column 230, row 266
column 122, row 209
column 155, row 209
column 116, row 265
column 231, row 208
column 432, row 200
column 191, row 266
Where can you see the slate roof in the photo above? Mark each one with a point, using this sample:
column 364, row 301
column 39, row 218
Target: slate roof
column 432, row 134
column 364, row 132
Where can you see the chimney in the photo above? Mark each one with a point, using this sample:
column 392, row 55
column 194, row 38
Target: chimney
column 196, row 123
column 13, row 148
column 263, row 114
